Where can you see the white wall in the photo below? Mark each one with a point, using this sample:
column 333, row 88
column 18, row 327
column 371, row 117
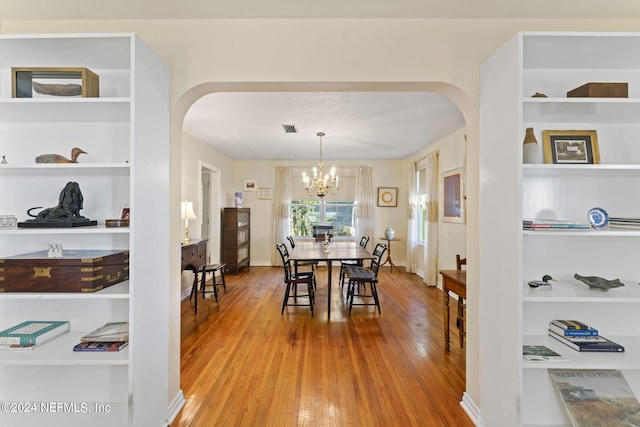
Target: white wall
column 347, row 50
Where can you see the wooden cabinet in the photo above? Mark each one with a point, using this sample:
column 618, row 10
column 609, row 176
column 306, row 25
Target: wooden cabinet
column 515, row 314
column 125, row 133
column 236, row 238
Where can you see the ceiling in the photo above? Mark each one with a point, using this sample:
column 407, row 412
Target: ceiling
column 358, row 125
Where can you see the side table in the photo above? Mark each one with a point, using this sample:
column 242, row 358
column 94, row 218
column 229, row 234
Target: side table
column 388, row 260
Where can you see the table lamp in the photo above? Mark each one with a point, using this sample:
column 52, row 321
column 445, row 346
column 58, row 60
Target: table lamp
column 186, row 209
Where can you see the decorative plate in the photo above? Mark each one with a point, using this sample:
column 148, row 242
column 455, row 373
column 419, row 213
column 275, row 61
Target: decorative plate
column 598, row 218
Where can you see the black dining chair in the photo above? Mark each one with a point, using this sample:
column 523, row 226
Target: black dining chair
column 462, row 304
column 359, row 276
column 298, row 264
column 292, row 280
column 363, row 243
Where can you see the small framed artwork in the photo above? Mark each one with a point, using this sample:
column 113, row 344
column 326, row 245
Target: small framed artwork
column 250, row 185
column 265, row 193
column 571, row 146
column 388, row 196
column 43, row 82
column 452, row 196
column 125, row 212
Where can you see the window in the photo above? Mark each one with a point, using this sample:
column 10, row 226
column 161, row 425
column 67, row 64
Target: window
column 307, row 213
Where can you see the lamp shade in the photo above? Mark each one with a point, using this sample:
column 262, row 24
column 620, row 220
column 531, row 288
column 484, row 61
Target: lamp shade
column 186, row 209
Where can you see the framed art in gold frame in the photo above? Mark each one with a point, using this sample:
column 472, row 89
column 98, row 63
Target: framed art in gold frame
column 452, row 196
column 388, row 196
column 571, row 146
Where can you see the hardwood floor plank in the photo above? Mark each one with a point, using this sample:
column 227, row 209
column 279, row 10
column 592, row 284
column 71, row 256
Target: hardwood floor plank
column 245, row 364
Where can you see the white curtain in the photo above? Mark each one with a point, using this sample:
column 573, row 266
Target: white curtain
column 431, row 219
column 412, row 211
column 364, row 201
column 281, row 210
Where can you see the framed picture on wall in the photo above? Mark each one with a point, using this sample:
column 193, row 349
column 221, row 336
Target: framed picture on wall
column 265, row 193
column 388, row 196
column 250, row 185
column 452, row 196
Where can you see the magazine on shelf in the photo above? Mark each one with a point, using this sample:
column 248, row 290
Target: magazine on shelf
column 540, row 353
column 32, row 333
column 596, row 397
column 100, row 346
column 591, row 332
column 570, row 324
column 109, row 332
column 589, row 343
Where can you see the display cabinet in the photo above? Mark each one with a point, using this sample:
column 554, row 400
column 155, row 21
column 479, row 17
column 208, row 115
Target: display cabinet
column 236, row 238
column 553, row 64
column 125, row 134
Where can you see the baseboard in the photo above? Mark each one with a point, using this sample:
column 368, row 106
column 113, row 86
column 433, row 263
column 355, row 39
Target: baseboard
column 471, row 409
column 175, row 407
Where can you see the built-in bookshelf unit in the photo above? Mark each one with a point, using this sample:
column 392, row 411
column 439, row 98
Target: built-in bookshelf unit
column 125, row 134
column 510, row 192
column 236, row 238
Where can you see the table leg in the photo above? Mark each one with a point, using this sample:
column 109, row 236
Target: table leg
column 330, row 270
column 446, row 320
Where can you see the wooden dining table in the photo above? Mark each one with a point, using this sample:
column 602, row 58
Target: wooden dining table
column 338, row 251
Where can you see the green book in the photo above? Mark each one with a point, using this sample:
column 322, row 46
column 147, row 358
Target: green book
column 33, row 332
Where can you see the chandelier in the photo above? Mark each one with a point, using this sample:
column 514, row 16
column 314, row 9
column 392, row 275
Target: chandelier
column 322, row 183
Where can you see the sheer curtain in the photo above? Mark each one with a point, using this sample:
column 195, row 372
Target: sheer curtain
column 431, row 219
column 281, row 210
column 412, row 211
column 364, row 201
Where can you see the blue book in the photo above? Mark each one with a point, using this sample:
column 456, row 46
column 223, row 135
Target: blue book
column 590, row 332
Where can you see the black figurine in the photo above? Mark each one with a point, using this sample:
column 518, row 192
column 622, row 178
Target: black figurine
column 65, row 214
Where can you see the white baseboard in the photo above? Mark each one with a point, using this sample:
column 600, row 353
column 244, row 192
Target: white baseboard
column 175, row 407
column 471, row 409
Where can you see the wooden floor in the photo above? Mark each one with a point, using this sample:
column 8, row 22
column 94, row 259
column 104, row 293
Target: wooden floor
column 245, row 364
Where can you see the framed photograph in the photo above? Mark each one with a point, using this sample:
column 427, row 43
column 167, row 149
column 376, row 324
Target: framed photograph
column 571, row 146
column 452, row 196
column 265, row 193
column 125, row 212
column 250, row 185
column 388, row 196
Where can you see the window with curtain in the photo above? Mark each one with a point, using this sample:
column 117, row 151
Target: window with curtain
column 421, row 178
column 307, row 213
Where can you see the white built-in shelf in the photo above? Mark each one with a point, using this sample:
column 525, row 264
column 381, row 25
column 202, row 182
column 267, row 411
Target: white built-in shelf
column 117, row 291
column 95, row 229
column 590, row 233
column 59, row 351
column 581, row 110
column 601, row 170
column 65, row 110
column 629, row 359
column 576, row 291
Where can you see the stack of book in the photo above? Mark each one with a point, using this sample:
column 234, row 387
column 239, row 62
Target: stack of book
column 32, row 333
column 581, row 337
column 112, row 336
column 619, row 223
column 553, row 225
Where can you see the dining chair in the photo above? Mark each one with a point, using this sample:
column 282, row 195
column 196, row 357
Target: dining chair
column 359, row 276
column 462, row 304
column 292, row 280
column 298, row 264
column 363, row 243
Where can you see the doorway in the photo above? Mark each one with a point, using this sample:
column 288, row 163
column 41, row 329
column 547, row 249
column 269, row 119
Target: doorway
column 210, row 203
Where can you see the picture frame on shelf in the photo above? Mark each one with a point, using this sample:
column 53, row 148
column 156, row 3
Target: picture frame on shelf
column 388, row 196
column 571, row 147
column 125, row 211
column 250, row 185
column 42, row 82
column 265, row 193
column 453, row 209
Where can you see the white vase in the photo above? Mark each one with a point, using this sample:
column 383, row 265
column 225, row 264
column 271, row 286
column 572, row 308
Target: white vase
column 389, row 233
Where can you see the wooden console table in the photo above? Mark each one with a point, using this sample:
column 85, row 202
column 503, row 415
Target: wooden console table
column 456, row 282
column 194, row 256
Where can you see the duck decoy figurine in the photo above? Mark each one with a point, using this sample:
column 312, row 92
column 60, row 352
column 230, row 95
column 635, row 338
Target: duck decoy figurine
column 57, row 158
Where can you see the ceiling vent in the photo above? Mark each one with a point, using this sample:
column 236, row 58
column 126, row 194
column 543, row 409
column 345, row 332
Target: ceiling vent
column 290, row 129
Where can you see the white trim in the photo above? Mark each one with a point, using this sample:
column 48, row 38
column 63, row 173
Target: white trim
column 175, row 407
column 471, row 408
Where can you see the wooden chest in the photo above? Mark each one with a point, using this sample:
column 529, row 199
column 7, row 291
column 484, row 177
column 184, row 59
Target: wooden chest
column 600, row 90
column 76, row 271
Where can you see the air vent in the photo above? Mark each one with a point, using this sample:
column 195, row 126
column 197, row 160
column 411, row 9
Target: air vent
column 290, row 129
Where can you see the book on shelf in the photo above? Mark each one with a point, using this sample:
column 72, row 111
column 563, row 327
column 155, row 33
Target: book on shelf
column 540, row 353
column 100, row 346
column 554, row 227
column 591, row 332
column 589, row 343
column 621, row 223
column 570, row 324
column 109, row 332
column 32, row 333
column 596, row 397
